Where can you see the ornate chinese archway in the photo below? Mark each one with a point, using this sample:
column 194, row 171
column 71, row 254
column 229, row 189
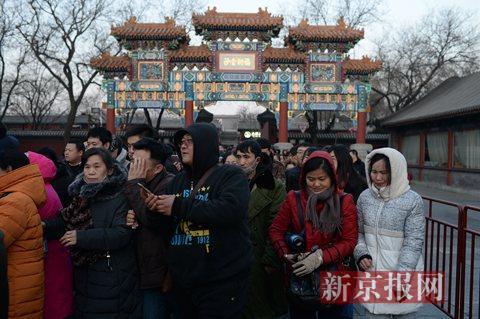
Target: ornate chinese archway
column 237, row 63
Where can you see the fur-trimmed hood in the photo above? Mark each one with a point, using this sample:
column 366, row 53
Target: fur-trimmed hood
column 399, row 184
column 107, row 189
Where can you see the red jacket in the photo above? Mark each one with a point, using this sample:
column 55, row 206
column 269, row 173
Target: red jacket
column 335, row 246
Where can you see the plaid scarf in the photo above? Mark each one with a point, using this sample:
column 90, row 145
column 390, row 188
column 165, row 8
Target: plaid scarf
column 329, row 220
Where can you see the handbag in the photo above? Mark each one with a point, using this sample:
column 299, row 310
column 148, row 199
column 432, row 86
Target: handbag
column 305, row 291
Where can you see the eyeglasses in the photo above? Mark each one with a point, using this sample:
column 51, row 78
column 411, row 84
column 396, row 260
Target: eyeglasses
column 186, row 141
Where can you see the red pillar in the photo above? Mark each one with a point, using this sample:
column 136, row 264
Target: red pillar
column 111, row 120
column 188, row 113
column 361, row 127
column 283, row 123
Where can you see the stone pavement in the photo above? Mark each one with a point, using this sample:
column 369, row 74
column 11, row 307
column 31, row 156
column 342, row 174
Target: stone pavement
column 456, row 196
column 426, row 311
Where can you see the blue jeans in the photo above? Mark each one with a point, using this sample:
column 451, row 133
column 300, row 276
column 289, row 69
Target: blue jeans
column 159, row 305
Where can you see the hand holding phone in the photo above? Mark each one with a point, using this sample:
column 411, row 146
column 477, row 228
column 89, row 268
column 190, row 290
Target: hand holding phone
column 144, row 191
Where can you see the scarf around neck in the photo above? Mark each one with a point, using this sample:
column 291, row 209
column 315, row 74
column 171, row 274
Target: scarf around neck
column 383, row 193
column 329, row 219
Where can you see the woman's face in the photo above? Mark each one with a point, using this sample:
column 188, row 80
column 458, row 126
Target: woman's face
column 231, row 159
column 318, row 181
column 380, row 175
column 335, row 161
column 95, row 170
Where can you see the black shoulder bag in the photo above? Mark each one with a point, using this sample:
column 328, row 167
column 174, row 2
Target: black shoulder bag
column 305, row 291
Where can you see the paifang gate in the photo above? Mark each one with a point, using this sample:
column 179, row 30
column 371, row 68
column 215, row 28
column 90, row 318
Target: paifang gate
column 237, row 62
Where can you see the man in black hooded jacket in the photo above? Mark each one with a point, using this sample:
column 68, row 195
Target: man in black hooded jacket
column 210, row 251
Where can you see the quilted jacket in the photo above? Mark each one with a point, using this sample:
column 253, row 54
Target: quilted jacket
column 21, row 193
column 391, row 228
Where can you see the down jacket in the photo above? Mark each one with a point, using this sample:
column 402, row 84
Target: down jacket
column 21, row 193
column 391, row 228
column 335, row 246
column 58, row 267
column 107, row 288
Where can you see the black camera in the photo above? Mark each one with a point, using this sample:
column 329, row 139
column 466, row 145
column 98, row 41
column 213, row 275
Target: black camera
column 295, row 241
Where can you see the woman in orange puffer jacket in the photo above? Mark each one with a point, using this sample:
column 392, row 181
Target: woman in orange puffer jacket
column 22, row 191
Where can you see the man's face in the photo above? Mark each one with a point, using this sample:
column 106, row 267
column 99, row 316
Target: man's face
column 300, row 152
column 95, row 142
column 153, row 168
column 267, row 151
column 248, row 162
column 130, row 141
column 72, row 154
column 186, row 149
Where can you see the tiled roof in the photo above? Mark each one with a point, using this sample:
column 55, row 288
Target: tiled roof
column 454, row 97
column 334, row 33
column 362, row 66
column 339, row 136
column 45, row 133
column 262, row 20
column 106, row 62
column 191, row 54
column 149, row 31
column 283, row 55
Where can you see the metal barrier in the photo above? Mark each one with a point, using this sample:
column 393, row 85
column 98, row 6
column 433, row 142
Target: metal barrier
column 446, row 250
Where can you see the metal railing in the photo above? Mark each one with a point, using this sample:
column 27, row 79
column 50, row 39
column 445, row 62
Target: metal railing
column 450, row 248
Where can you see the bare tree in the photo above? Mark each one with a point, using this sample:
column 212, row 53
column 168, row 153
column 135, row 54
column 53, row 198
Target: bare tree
column 63, row 35
column 356, row 13
column 11, row 65
column 417, row 58
column 181, row 11
column 37, row 99
column 248, row 117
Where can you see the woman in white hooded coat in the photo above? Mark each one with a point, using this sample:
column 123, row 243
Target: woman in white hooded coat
column 391, row 226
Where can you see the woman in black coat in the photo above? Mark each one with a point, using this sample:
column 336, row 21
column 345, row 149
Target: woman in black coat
column 348, row 179
column 105, row 274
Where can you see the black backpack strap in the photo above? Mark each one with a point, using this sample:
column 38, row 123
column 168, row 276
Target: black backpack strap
column 298, row 200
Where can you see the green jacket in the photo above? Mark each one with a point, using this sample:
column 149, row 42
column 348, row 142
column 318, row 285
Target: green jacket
column 266, row 297
column 263, row 207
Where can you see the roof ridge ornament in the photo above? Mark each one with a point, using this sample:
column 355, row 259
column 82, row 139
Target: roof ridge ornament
column 211, row 11
column 170, row 21
column 303, row 23
column 132, row 20
column 263, row 12
column 341, row 23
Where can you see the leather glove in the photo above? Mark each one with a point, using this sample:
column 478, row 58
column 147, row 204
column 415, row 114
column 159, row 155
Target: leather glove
column 308, row 264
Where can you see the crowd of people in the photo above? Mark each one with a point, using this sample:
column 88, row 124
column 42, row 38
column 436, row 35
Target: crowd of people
column 135, row 228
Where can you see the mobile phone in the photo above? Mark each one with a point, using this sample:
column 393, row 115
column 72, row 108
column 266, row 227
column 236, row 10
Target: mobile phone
column 145, row 189
column 175, row 158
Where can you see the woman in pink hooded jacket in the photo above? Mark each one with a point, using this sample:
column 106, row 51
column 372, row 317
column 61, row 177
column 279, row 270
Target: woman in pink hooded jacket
column 58, row 268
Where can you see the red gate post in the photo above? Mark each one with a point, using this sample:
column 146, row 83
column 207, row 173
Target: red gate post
column 361, row 127
column 283, row 123
column 111, row 120
column 188, row 113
